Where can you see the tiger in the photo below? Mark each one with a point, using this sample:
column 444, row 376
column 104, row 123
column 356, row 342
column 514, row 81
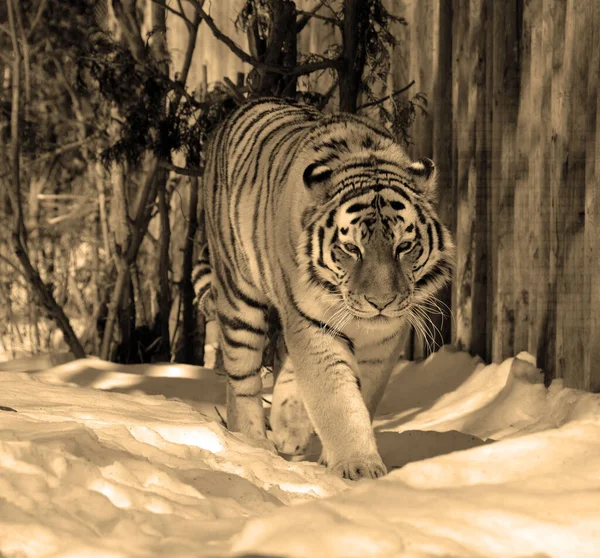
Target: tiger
column 324, row 221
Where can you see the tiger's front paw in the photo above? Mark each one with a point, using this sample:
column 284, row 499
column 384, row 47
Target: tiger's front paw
column 356, row 468
column 293, row 441
column 292, row 429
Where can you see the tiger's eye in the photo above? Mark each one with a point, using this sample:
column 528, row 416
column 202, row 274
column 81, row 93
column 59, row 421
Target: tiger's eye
column 403, row 247
column 352, row 249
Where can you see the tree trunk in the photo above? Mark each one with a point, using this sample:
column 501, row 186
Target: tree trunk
column 279, row 49
column 164, row 292
column 127, row 253
column 187, row 289
column 354, row 34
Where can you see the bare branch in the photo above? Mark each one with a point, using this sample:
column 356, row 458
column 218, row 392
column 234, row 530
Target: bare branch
column 61, row 196
column 309, row 15
column 302, row 70
column 232, row 45
column 180, row 14
column 245, row 57
column 14, row 266
column 182, row 9
column 59, row 151
column 25, row 51
column 301, row 23
column 15, row 127
column 37, row 18
column 194, row 171
column 383, row 99
column 327, row 97
column 77, row 213
column 235, row 93
column 99, row 180
column 189, row 53
column 126, row 13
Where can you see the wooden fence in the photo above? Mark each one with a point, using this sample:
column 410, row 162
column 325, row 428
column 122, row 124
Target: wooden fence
column 513, row 127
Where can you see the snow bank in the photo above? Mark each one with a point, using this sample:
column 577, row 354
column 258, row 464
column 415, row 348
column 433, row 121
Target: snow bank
column 105, row 460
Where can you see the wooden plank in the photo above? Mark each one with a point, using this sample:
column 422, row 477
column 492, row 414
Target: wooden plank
column 442, row 141
column 523, row 222
column 557, row 13
column 471, row 233
column 461, row 295
column 506, row 21
column 414, row 59
column 421, row 63
column 400, row 76
column 478, row 174
column 572, row 127
column 591, row 366
column 542, row 304
column 492, row 197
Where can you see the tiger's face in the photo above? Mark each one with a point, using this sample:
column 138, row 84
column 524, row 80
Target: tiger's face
column 377, row 244
column 375, row 252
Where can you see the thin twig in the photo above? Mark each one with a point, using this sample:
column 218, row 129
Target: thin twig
column 235, row 93
column 187, row 62
column 301, row 23
column 327, row 97
column 383, row 99
column 182, row 10
column 193, row 171
column 13, row 265
column 310, row 15
column 223, row 421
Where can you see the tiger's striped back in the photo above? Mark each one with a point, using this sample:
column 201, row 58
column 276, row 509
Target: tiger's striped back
column 255, row 147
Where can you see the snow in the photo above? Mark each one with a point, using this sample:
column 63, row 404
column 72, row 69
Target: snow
column 105, row 460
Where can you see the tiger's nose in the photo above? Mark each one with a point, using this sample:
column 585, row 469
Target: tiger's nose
column 380, row 302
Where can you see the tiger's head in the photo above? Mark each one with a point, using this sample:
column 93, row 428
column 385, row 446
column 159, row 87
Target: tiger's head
column 372, row 237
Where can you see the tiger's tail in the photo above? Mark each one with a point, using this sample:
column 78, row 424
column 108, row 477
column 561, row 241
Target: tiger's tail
column 202, row 281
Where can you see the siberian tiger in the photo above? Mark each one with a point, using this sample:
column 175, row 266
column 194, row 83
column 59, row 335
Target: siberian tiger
column 324, row 220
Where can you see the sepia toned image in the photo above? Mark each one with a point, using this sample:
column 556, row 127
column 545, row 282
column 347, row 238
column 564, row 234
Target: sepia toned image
column 299, row 278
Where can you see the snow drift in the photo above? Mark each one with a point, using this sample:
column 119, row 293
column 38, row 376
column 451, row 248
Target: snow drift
column 105, row 460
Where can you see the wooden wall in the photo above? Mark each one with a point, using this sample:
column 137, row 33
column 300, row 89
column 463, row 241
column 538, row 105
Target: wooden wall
column 513, row 125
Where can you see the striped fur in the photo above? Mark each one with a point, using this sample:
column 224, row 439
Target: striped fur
column 202, row 278
column 327, row 221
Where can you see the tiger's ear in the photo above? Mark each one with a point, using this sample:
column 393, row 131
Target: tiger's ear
column 424, row 174
column 316, row 180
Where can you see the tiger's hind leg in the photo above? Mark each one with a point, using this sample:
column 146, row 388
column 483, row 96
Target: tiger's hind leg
column 292, row 428
column 243, row 337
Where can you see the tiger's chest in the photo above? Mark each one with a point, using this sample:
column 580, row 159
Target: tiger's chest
column 375, row 338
